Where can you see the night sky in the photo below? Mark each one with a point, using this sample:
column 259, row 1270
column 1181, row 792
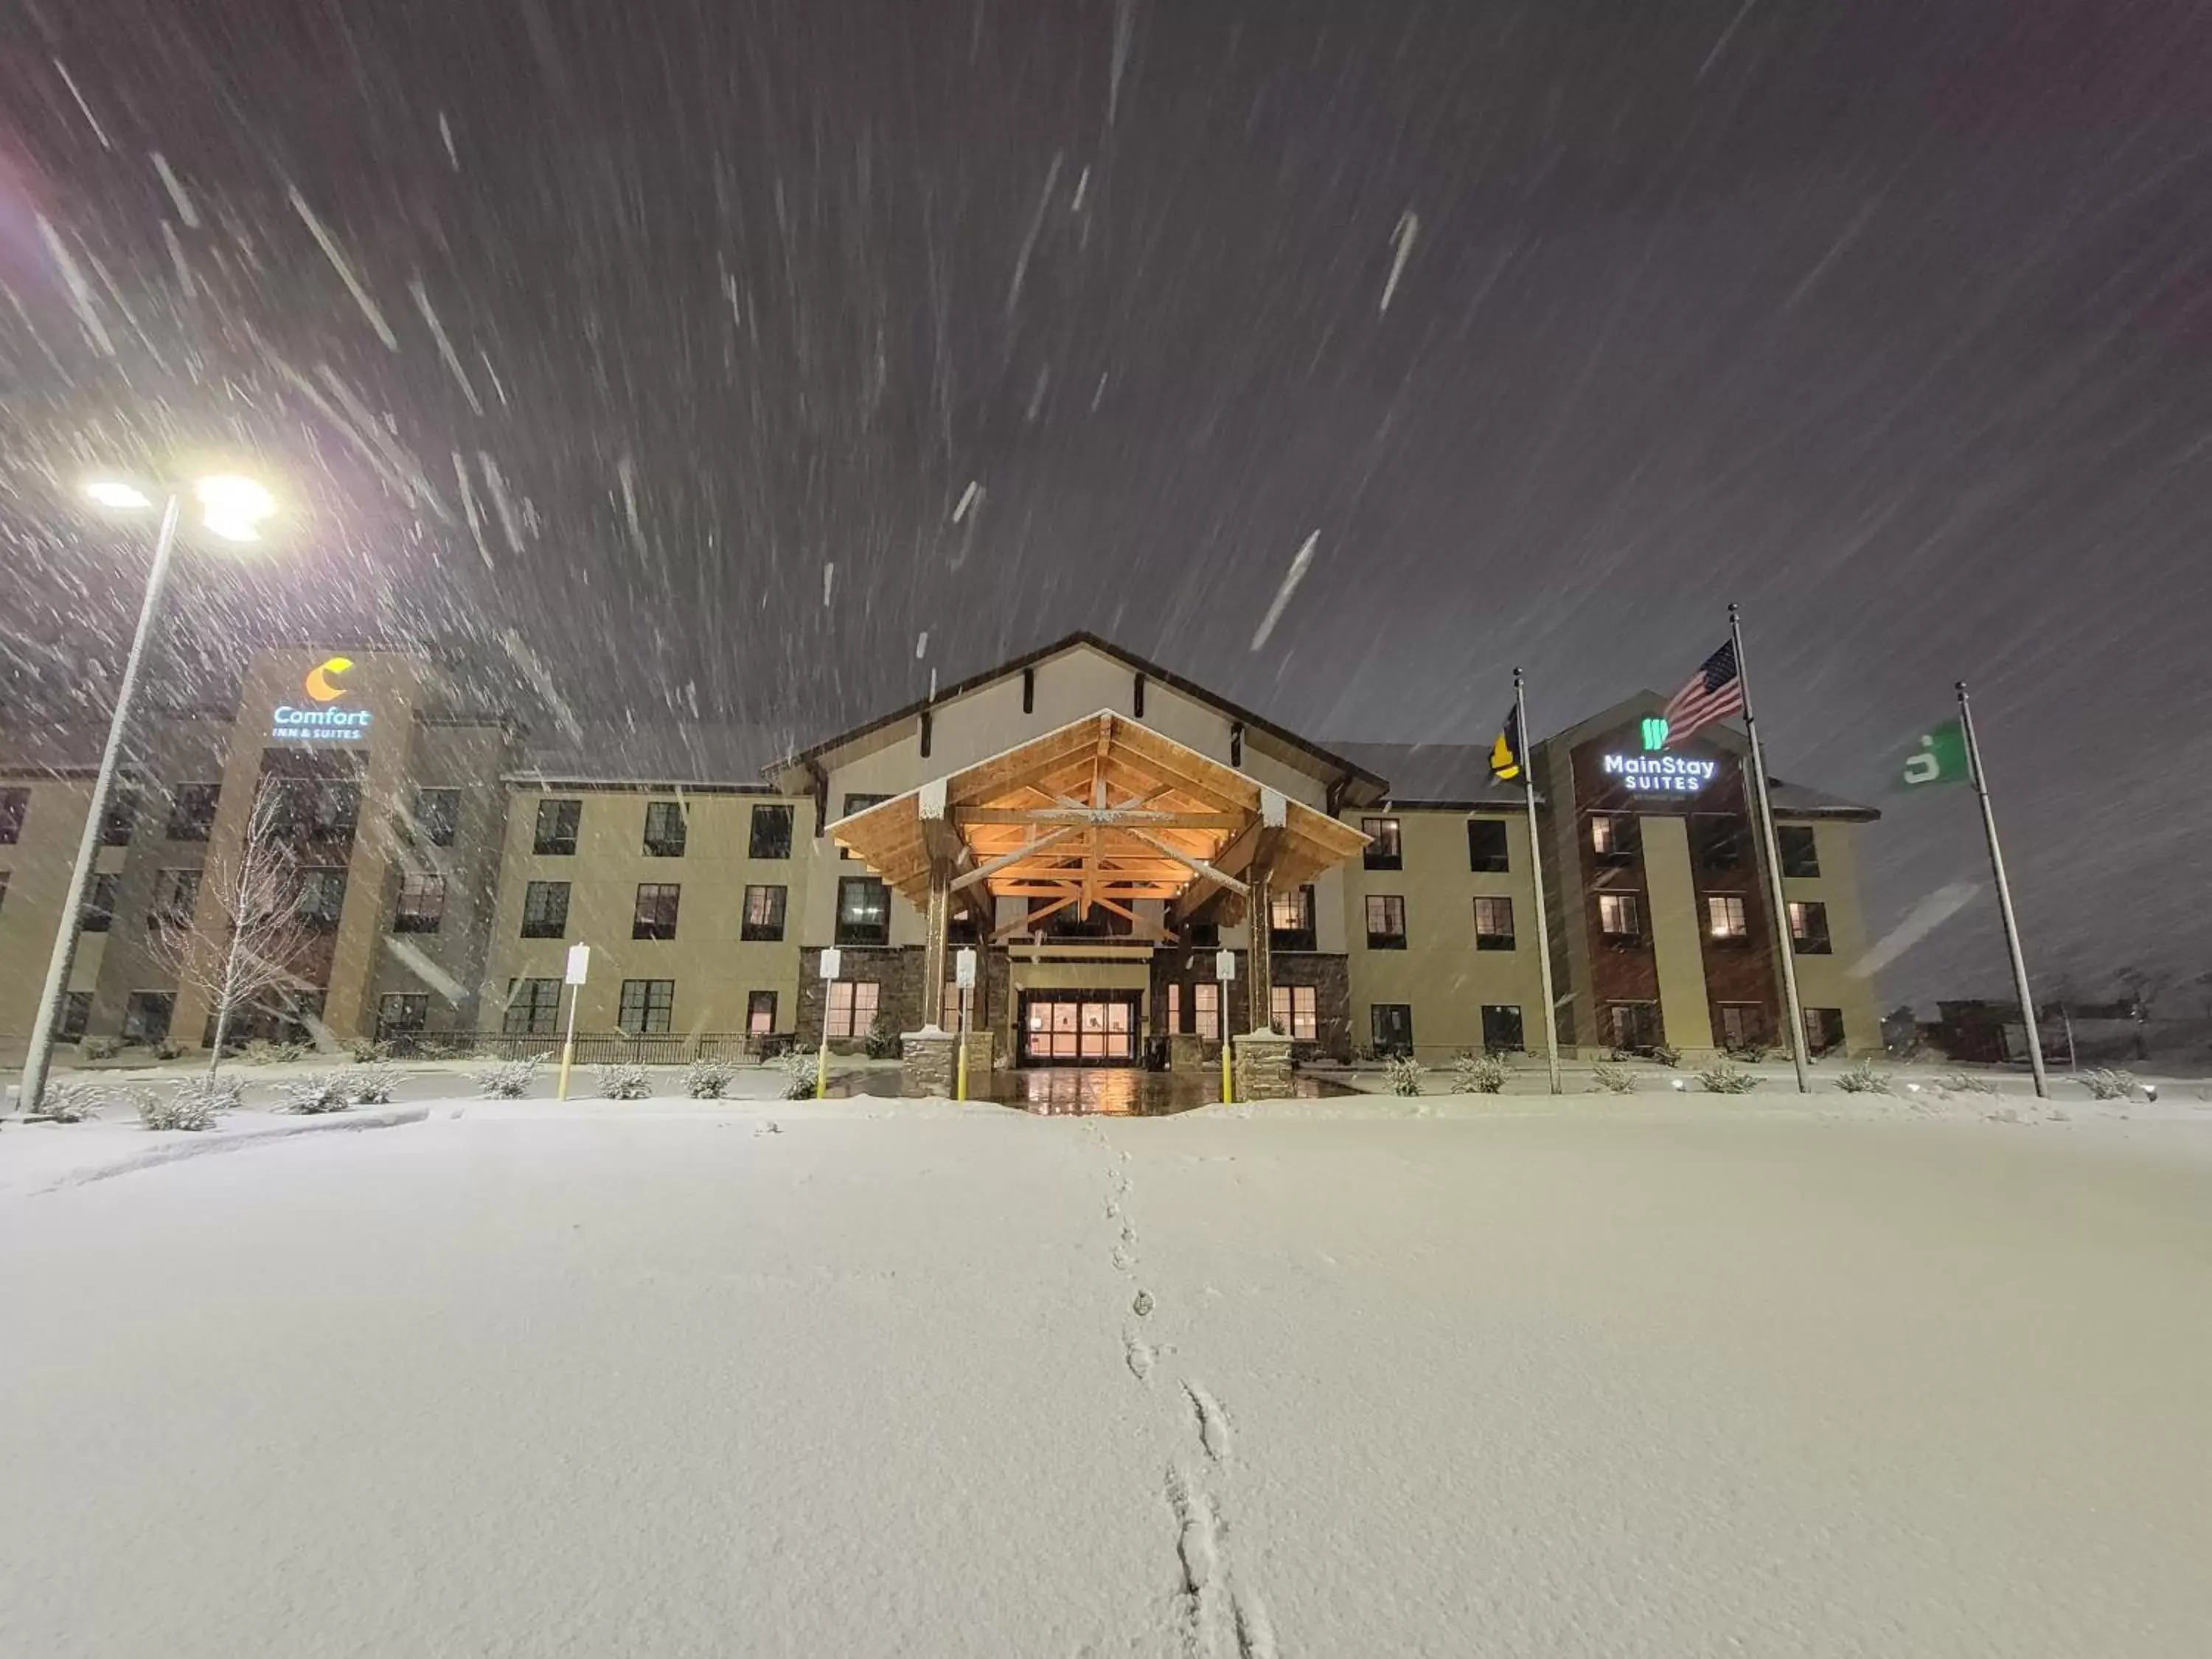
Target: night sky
column 588, row 338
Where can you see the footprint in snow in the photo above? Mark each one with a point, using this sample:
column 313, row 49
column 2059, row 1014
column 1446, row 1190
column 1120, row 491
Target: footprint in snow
column 1143, row 1304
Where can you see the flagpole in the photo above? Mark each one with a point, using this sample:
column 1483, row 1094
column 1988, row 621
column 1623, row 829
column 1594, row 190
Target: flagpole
column 1772, row 853
column 2004, row 896
column 1527, row 759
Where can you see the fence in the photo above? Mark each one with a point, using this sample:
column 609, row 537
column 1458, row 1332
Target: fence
column 593, row 1047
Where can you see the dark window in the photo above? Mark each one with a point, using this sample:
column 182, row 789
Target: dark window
column 1065, row 921
column 317, row 809
column 771, row 833
column 1236, row 743
column 1800, row 852
column 402, row 1013
column 1619, row 918
column 1717, row 840
column 1635, row 1026
column 1290, row 920
column 545, row 909
column 420, row 907
column 864, row 911
column 760, row 1013
column 533, row 1007
column 1392, row 1026
column 1616, row 838
column 98, row 913
column 1202, row 935
column 1743, row 1025
column 120, row 817
column 557, row 821
column 1383, row 851
column 1386, row 922
column 926, row 732
column 859, row 804
column 647, row 1007
column 664, row 830
column 3, row 886
column 191, row 811
column 146, row 1016
column 1137, row 698
column 763, row 913
column 176, row 892
column 14, row 805
column 322, row 895
column 1486, row 846
column 1824, row 1030
column 438, row 816
column 1808, row 927
column 1029, row 691
column 76, row 1014
column 1501, row 1028
column 1493, row 924
column 655, row 916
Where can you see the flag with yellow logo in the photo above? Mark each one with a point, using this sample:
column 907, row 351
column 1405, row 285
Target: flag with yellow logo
column 1505, row 755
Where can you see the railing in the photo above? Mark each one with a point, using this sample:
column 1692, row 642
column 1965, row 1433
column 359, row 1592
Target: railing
column 593, row 1047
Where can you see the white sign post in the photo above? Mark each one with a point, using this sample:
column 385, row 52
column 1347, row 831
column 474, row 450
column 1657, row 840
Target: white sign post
column 579, row 965
column 963, row 975
column 832, row 960
column 1224, row 973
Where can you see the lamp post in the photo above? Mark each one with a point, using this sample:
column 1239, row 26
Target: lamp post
column 234, row 508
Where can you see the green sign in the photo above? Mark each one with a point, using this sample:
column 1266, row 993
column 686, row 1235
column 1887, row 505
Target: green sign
column 1654, row 734
column 1939, row 757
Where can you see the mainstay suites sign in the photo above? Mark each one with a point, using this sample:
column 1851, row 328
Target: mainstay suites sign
column 1659, row 774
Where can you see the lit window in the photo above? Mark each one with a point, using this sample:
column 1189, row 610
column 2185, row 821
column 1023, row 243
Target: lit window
column 1294, row 1012
column 760, row 1009
column 763, row 913
column 1724, row 916
column 1617, row 916
column 852, row 1007
column 1809, row 928
column 864, row 911
column 1743, row 1025
column 1493, row 924
column 1383, row 850
column 1386, row 922
column 1174, row 1006
column 655, row 916
column 1206, row 1009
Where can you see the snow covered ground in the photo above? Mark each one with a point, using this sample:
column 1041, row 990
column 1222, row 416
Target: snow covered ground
column 1350, row 1377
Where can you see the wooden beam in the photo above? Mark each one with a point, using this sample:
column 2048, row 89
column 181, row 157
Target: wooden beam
column 1025, row 923
column 983, row 872
column 1198, row 865
column 970, row 817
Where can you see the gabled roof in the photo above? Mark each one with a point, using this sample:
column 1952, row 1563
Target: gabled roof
column 1153, row 670
column 1436, row 773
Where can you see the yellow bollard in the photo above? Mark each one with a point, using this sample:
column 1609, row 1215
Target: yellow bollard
column 960, row 1083
column 568, row 1057
column 1228, row 1093
column 822, row 1067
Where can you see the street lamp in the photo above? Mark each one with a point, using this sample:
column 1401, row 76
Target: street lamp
column 231, row 507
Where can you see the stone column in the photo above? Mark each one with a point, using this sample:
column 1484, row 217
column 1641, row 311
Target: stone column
column 932, row 947
column 1259, row 960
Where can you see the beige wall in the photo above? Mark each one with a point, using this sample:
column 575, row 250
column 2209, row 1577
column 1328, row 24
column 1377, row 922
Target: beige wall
column 38, row 868
column 1685, row 1019
column 1829, row 981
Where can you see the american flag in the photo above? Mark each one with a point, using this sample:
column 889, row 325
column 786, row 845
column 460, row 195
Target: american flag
column 1714, row 693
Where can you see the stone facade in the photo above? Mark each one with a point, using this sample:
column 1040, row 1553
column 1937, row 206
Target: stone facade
column 1331, row 977
column 1263, row 1066
column 895, row 970
column 929, row 1063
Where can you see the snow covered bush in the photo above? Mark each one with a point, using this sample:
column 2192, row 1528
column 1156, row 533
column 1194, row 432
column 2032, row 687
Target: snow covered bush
column 182, row 1107
column 1402, row 1073
column 1481, row 1074
column 707, row 1077
column 1965, row 1083
column 1614, row 1079
column 218, row 1094
column 72, row 1102
column 1750, row 1053
column 371, row 1084
column 317, row 1091
column 2104, row 1084
column 882, row 1039
column 510, row 1079
column 365, row 1049
column 1725, row 1076
column 1862, row 1079
column 98, row 1048
column 625, row 1080
column 170, row 1048
column 797, row 1076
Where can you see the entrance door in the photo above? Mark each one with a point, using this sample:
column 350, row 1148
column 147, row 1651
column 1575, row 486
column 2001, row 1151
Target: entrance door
column 1078, row 1027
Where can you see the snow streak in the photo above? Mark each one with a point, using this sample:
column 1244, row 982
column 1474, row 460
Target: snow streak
column 1409, row 226
column 332, row 253
column 1296, row 574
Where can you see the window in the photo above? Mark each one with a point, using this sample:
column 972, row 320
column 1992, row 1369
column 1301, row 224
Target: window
column 98, row 913
column 1137, row 698
column 324, row 810
column 1386, row 922
column 121, row 816
column 928, row 730
column 146, row 1016
column 402, row 1013
column 1808, row 927
column 1290, row 920
column 438, row 816
column 76, row 1014
column 760, row 1006
column 1237, row 744
column 852, row 1011
column 421, row 904
column 1294, row 1012
column 322, row 893
column 3, row 886
column 859, row 804
column 1174, row 1007
column 1824, row 1030
column 15, row 804
column 1206, row 1012
column 557, row 822
column 176, row 892
column 763, row 913
column 1716, row 841
column 1618, row 918
column 1202, row 935
column 1501, row 1029
column 191, row 811
column 1391, row 1024
column 545, row 909
column 1743, row 1025
column 664, row 830
column 1800, row 850
column 948, row 1017
column 1493, row 924
column 647, row 1007
column 655, row 916
column 1725, row 917
column 771, row 833
column 533, row 1007
column 1486, row 846
column 1635, row 1026
column 864, row 911
column 1384, row 851
column 1615, row 837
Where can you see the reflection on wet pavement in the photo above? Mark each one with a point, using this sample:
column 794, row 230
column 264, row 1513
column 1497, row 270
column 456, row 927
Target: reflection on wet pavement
column 1112, row 1091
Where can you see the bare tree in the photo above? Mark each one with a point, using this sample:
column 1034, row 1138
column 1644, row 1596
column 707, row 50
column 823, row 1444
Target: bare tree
column 2144, row 986
column 254, row 910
